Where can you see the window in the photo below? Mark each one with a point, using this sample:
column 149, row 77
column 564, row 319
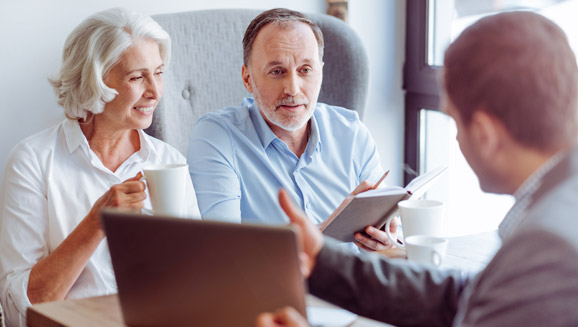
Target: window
column 429, row 134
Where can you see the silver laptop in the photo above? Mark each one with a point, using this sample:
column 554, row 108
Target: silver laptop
column 182, row 272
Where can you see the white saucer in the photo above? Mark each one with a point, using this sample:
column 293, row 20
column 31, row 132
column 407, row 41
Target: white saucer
column 329, row 317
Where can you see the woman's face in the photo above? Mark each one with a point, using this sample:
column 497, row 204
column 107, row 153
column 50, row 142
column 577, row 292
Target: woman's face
column 137, row 78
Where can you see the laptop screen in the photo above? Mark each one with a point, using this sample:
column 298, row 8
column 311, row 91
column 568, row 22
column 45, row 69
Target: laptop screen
column 183, row 272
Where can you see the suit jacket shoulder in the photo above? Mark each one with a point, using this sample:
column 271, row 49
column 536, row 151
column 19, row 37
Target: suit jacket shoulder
column 533, row 279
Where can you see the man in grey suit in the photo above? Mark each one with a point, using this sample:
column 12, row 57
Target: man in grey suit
column 511, row 83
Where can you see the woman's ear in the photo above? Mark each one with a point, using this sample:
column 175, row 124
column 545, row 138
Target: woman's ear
column 247, row 79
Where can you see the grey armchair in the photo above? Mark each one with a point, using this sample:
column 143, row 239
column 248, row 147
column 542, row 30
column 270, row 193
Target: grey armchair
column 205, row 70
column 2, row 324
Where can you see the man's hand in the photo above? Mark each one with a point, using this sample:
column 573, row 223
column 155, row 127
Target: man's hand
column 364, row 186
column 378, row 240
column 309, row 237
column 285, row 317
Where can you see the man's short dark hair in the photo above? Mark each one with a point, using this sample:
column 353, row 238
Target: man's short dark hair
column 281, row 17
column 518, row 67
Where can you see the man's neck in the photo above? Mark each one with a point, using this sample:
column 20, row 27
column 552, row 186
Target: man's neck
column 295, row 140
column 523, row 166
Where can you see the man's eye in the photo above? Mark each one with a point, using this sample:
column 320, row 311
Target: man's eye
column 307, row 70
column 159, row 73
column 136, row 78
column 276, row 71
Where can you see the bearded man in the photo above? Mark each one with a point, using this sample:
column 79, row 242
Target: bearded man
column 282, row 137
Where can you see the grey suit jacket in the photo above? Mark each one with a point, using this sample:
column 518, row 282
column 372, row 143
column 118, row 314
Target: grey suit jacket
column 531, row 281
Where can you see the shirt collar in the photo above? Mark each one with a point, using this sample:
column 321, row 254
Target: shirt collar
column 314, row 142
column 266, row 135
column 524, row 195
column 146, row 146
column 75, row 138
column 532, row 183
column 73, row 134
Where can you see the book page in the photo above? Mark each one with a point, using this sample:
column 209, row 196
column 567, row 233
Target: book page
column 419, row 185
column 388, row 190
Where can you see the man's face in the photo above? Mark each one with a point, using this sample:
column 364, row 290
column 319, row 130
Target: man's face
column 284, row 75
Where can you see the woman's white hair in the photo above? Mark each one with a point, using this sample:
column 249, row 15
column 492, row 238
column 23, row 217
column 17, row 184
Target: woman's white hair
column 90, row 52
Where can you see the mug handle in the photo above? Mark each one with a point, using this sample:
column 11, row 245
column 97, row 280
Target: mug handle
column 145, row 210
column 401, row 246
column 436, row 258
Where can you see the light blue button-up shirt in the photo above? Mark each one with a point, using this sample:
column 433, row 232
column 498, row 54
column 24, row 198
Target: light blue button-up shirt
column 238, row 164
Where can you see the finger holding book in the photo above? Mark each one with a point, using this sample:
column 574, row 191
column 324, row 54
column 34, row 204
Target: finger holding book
column 374, row 207
column 376, row 239
column 363, row 187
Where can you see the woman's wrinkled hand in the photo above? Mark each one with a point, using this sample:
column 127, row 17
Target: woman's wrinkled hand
column 129, row 195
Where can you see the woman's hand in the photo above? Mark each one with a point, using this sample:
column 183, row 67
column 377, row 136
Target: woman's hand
column 52, row 277
column 129, row 195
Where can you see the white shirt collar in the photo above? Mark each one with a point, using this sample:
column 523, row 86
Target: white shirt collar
column 75, row 138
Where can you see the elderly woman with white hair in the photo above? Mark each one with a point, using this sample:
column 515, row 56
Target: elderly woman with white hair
column 56, row 182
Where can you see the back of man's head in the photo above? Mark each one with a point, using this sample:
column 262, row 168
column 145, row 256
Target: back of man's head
column 518, row 67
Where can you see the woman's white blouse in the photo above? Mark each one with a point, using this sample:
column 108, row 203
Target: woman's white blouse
column 51, row 181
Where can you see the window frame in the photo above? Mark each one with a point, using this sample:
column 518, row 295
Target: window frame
column 420, row 82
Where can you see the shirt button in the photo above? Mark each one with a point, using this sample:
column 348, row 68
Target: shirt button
column 308, row 206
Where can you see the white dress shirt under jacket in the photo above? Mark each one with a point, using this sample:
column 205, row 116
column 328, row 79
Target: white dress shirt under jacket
column 51, row 181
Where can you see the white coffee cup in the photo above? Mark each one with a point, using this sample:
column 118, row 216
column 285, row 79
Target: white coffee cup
column 167, row 187
column 426, row 249
column 419, row 217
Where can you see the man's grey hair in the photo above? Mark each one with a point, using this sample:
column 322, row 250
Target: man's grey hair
column 92, row 50
column 281, row 17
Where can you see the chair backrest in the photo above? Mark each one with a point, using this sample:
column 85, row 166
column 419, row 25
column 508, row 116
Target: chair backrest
column 205, row 70
column 2, row 323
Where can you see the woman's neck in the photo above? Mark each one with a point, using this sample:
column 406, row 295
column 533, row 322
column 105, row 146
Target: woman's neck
column 112, row 147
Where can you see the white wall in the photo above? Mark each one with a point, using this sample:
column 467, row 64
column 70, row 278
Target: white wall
column 32, row 34
column 381, row 26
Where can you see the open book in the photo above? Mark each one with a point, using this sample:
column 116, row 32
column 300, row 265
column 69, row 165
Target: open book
column 374, row 207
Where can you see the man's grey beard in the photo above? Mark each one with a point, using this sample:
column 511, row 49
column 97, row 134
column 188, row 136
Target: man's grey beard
column 270, row 113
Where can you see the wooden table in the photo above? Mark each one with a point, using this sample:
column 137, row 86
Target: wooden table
column 104, row 311
column 469, row 253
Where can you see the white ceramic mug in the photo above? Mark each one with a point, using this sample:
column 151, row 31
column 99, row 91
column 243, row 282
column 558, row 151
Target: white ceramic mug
column 167, row 186
column 426, row 249
column 419, row 217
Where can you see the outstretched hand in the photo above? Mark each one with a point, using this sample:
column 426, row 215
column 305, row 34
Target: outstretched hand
column 309, row 237
column 284, row 317
column 310, row 241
